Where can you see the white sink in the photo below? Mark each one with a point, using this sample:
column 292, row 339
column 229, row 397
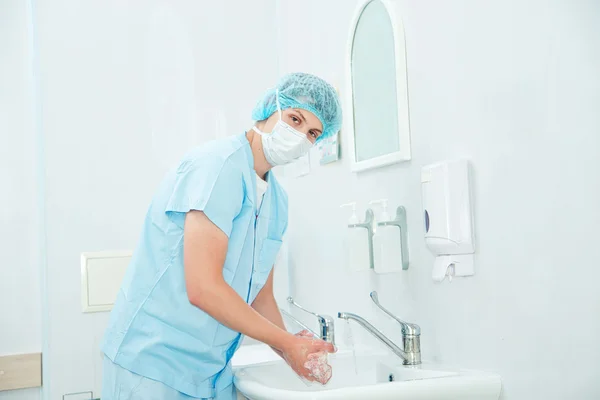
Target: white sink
column 374, row 377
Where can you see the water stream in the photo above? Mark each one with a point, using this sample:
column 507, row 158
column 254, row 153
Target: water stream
column 349, row 339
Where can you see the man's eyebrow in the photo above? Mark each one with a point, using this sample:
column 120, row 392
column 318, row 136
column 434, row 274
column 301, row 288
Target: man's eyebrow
column 301, row 115
column 304, row 119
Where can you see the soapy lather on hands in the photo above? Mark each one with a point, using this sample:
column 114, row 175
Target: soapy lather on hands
column 317, row 363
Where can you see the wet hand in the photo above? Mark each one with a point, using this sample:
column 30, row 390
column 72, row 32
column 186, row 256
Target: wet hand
column 300, row 352
column 305, row 333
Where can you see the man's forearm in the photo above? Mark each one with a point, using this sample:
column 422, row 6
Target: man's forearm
column 239, row 317
column 205, row 249
column 268, row 308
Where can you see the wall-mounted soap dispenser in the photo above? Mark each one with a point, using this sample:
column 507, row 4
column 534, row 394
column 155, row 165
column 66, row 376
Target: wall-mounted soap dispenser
column 448, row 218
column 358, row 241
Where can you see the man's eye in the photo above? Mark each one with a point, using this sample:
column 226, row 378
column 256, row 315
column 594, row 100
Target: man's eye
column 296, row 120
column 314, row 135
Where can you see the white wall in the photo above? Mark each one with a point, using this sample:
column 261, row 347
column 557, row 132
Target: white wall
column 127, row 88
column 20, row 314
column 513, row 86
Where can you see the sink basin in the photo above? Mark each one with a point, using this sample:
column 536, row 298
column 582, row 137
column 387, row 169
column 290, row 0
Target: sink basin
column 371, row 377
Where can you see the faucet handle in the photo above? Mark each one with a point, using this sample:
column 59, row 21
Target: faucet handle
column 290, row 300
column 407, row 328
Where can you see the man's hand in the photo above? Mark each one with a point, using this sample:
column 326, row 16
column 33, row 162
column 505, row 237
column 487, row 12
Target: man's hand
column 303, row 351
column 305, row 333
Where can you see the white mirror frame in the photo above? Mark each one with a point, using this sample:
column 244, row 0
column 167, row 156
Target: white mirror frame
column 404, row 154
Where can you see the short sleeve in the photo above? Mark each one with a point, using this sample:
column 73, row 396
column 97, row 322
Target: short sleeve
column 210, row 185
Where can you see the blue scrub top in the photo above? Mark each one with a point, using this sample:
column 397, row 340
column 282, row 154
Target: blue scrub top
column 154, row 331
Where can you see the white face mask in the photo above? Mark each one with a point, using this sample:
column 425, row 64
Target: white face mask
column 284, row 144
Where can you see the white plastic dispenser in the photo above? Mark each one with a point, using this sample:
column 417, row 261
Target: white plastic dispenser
column 356, row 243
column 387, row 242
column 384, row 215
column 448, row 218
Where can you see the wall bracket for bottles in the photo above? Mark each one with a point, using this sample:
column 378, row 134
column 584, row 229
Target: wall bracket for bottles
column 401, row 223
column 368, row 225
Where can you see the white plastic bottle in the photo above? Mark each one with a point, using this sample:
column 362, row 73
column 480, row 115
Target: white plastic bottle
column 356, row 243
column 387, row 248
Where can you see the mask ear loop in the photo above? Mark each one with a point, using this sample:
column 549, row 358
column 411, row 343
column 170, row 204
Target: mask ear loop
column 278, row 105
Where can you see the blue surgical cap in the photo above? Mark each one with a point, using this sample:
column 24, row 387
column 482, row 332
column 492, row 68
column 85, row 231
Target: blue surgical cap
column 307, row 92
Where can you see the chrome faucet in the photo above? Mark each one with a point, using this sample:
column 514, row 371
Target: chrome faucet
column 326, row 324
column 411, row 335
